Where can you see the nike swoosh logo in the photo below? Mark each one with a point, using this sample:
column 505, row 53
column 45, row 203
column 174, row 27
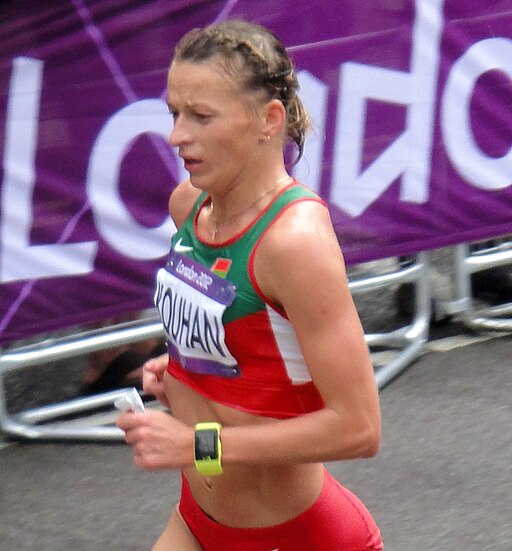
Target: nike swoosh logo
column 179, row 248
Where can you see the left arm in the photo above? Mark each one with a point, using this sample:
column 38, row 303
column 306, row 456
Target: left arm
column 300, row 266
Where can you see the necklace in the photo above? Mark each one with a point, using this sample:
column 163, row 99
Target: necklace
column 218, row 223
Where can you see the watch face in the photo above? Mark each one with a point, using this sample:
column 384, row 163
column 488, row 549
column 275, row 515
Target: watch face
column 206, row 444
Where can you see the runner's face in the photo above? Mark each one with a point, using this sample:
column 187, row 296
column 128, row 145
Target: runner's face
column 215, row 130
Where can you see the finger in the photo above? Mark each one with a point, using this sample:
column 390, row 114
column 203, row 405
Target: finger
column 138, row 461
column 158, row 365
column 148, row 371
column 150, row 461
column 163, row 359
column 150, row 384
column 154, row 364
column 128, row 420
column 130, row 436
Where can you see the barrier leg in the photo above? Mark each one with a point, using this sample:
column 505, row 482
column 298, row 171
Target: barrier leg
column 408, row 341
column 466, row 262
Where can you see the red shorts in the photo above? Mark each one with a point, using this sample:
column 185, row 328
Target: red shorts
column 337, row 521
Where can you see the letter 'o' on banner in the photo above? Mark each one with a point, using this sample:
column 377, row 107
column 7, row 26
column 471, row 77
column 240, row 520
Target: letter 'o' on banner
column 470, row 162
column 113, row 220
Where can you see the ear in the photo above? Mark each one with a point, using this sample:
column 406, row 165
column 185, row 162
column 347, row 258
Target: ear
column 274, row 119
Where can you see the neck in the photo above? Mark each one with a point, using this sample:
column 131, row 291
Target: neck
column 222, row 217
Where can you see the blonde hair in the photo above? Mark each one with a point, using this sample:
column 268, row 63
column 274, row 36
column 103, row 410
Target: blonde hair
column 242, row 46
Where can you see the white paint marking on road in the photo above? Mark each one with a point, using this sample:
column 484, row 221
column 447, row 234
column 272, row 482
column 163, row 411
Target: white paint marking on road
column 445, row 344
column 450, row 343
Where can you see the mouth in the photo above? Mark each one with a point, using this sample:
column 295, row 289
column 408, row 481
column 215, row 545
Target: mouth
column 191, row 164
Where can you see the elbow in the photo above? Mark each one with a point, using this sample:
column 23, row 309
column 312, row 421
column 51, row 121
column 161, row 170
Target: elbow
column 359, row 436
column 371, row 433
column 363, row 444
column 370, row 437
column 371, row 443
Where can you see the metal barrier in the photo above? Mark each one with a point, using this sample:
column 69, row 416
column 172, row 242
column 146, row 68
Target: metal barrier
column 29, row 423
column 467, row 262
column 410, row 339
column 42, row 423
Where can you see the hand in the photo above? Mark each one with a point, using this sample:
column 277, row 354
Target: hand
column 152, row 378
column 158, row 440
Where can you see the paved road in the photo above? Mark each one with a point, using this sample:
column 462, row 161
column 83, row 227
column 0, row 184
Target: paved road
column 442, row 481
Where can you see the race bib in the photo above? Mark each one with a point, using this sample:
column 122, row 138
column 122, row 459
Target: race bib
column 192, row 300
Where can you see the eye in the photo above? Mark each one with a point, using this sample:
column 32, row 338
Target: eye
column 202, row 117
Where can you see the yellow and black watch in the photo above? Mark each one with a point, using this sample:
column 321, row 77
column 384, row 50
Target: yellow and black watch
column 208, row 449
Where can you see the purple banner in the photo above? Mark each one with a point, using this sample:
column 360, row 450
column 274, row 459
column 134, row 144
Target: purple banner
column 411, row 147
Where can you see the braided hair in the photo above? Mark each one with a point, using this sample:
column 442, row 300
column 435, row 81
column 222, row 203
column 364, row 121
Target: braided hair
column 242, row 46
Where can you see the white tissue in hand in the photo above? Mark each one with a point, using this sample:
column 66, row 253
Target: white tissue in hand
column 130, row 400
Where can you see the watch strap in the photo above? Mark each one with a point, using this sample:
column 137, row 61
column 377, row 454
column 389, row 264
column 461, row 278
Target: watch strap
column 208, row 449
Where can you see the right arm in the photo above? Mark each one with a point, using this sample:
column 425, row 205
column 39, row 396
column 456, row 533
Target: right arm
column 180, row 202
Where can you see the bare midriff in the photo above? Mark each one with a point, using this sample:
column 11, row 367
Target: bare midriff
column 244, row 496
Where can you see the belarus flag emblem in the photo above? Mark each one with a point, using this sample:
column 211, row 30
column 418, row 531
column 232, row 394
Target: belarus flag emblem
column 221, row 267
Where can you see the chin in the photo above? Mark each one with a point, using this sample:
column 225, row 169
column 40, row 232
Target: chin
column 196, row 181
column 200, row 182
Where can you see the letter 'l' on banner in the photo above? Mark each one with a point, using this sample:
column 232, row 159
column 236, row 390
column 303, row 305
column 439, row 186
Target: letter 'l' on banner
column 18, row 259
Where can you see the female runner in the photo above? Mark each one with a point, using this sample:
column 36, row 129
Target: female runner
column 268, row 373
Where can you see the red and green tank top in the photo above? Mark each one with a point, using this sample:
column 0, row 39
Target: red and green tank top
column 226, row 340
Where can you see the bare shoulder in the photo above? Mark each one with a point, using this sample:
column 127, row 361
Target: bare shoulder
column 182, row 200
column 305, row 228
column 300, row 245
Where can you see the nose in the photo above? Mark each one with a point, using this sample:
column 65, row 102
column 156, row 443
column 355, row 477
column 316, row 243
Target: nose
column 179, row 133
